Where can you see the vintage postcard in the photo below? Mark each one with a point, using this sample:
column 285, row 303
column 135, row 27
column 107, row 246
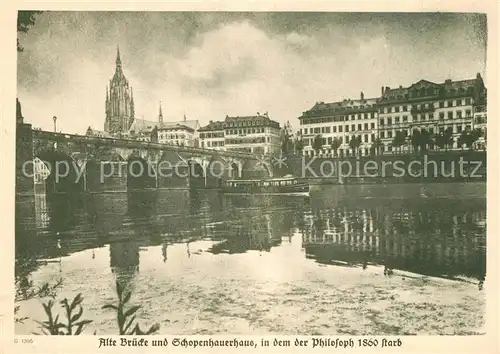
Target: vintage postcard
column 288, row 178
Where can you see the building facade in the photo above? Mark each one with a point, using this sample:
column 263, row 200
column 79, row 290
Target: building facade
column 387, row 123
column 120, row 109
column 212, row 136
column 428, row 107
column 179, row 133
column 341, row 122
column 253, row 134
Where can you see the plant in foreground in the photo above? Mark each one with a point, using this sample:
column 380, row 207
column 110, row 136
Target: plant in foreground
column 52, row 326
column 126, row 318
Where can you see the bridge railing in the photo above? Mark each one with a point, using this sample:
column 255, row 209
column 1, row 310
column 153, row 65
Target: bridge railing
column 137, row 143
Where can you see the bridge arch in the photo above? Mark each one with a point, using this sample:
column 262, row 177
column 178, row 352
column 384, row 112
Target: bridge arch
column 59, row 173
column 140, row 173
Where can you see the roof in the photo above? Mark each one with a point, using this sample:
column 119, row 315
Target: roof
column 346, row 105
column 148, row 125
column 449, row 87
column 259, row 119
column 213, row 126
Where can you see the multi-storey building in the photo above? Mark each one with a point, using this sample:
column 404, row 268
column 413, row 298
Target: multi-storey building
column 428, row 106
column 255, row 134
column 181, row 133
column 212, row 136
column 119, row 102
column 343, row 121
column 480, row 120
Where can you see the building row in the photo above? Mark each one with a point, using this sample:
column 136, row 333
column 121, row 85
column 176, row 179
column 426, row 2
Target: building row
column 424, row 106
column 257, row 134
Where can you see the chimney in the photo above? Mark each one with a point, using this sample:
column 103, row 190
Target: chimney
column 258, row 114
column 400, row 86
column 387, row 88
column 382, row 90
column 211, row 121
column 362, row 96
column 447, row 81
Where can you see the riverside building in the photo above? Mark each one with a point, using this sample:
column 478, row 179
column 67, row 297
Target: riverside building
column 253, row 134
column 428, row 106
column 424, row 106
column 342, row 120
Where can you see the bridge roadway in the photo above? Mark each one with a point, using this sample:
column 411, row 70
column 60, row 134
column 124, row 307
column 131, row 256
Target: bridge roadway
column 77, row 163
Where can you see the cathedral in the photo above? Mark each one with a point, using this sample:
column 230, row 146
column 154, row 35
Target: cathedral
column 119, row 102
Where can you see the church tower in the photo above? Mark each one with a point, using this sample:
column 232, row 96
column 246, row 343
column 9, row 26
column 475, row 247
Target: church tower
column 119, row 102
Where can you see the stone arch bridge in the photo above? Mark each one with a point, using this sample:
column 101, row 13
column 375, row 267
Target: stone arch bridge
column 98, row 165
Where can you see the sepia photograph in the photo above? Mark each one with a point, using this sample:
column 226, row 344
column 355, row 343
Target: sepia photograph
column 251, row 173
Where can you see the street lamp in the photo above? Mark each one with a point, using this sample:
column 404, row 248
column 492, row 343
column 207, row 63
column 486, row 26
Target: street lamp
column 55, row 120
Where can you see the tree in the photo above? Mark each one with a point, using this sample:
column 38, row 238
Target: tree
column 354, row 143
column 317, row 144
column 439, row 140
column 448, row 137
column 415, row 140
column 25, row 19
column 473, row 137
column 399, row 140
column 425, row 140
column 298, row 145
column 462, row 139
column 286, row 142
column 335, row 145
column 376, row 145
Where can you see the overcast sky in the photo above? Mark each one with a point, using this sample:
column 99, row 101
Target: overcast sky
column 209, row 65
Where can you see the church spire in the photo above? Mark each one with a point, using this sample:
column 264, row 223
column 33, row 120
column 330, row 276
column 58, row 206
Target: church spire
column 160, row 115
column 118, row 60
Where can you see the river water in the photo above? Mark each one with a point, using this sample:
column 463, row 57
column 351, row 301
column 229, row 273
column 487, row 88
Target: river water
column 204, row 263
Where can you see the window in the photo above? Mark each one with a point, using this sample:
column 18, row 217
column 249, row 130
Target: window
column 450, row 103
column 397, row 119
column 405, row 109
column 467, row 113
column 459, row 103
column 450, row 115
column 366, row 138
column 305, row 130
column 346, row 128
column 441, row 115
column 389, row 134
column 347, row 139
column 389, row 121
column 431, row 116
column 366, row 126
column 329, row 141
column 459, row 129
column 396, row 108
column 405, row 118
column 382, row 135
column 459, row 114
column 468, row 101
column 441, row 104
column 334, row 129
column 372, row 126
column 381, row 121
column 327, row 130
column 360, row 127
column 340, row 129
column 353, row 127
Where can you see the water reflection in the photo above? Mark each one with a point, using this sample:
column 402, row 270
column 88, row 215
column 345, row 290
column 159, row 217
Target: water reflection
column 439, row 237
column 442, row 234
